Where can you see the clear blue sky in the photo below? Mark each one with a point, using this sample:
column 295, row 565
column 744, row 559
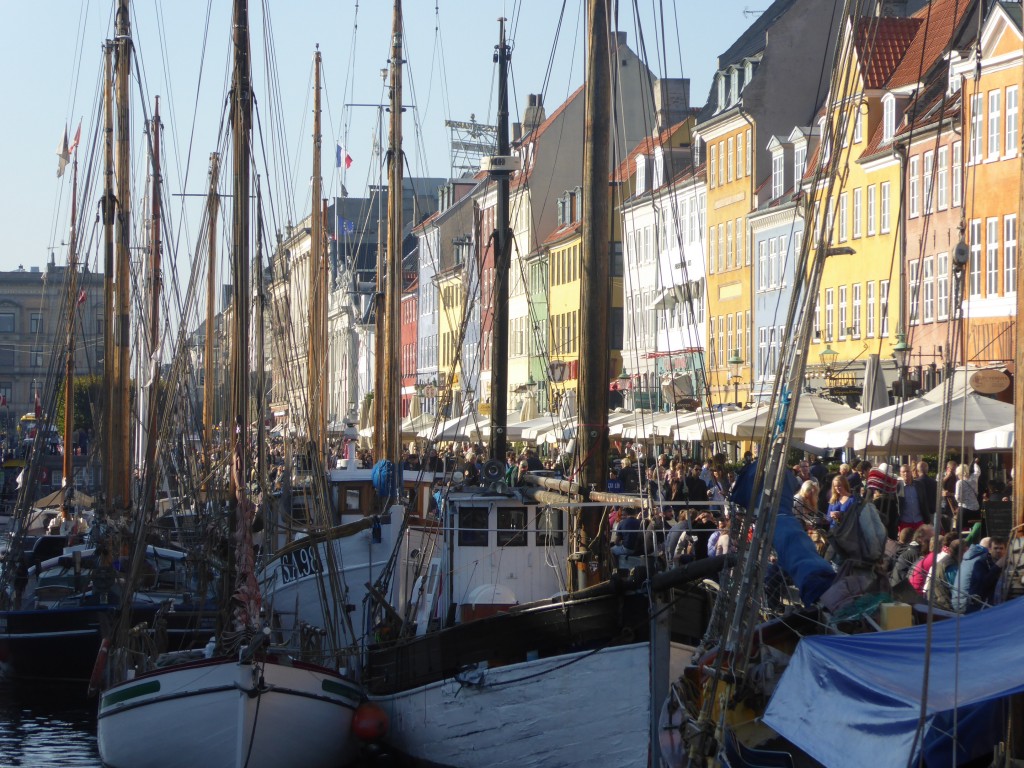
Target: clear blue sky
column 52, row 60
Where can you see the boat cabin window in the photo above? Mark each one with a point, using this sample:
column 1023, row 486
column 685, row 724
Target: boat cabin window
column 352, row 504
column 550, row 529
column 511, row 526
column 473, row 526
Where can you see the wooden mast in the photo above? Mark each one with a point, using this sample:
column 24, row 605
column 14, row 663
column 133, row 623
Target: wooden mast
column 121, row 454
column 213, row 213
column 153, row 418
column 502, row 241
column 316, row 369
column 239, row 368
column 595, row 295
column 106, row 428
column 69, row 372
column 387, row 413
column 261, row 329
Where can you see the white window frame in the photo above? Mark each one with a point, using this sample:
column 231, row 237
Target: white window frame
column 843, row 307
column 858, row 126
column 830, row 318
column 870, row 325
column 888, row 117
column 713, row 168
column 883, row 308
column 914, row 304
column 974, row 268
column 762, row 265
column 799, row 161
column 730, row 246
column 783, row 261
column 883, row 208
column 750, row 154
column 977, row 124
column 871, row 210
column 929, row 182
column 711, row 249
column 1010, row 254
column 942, row 286
column 817, row 318
column 858, row 205
column 730, row 162
column 995, row 124
column 858, row 308
column 942, row 180
column 992, row 256
column 956, row 168
column 913, row 187
column 739, row 155
column 928, row 290
column 844, row 216
column 778, row 175
column 1012, row 115
column 773, row 261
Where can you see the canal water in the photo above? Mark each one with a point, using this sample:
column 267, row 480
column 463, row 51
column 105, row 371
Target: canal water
column 43, row 726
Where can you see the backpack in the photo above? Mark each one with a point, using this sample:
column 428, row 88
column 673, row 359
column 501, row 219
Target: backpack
column 859, row 534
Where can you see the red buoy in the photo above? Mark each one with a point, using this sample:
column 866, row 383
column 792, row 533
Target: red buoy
column 369, row 722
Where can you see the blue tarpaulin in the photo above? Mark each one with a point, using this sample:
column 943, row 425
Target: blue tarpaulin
column 855, row 700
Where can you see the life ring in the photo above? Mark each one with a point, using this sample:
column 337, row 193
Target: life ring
column 99, row 667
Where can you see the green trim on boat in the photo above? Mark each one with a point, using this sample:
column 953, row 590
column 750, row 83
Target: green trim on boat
column 341, row 689
column 130, row 693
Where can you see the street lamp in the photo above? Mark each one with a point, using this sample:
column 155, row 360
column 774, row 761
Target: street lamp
column 735, row 363
column 901, row 354
column 828, row 357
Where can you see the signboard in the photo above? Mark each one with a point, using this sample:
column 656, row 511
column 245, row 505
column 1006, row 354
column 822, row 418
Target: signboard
column 989, row 381
column 485, row 409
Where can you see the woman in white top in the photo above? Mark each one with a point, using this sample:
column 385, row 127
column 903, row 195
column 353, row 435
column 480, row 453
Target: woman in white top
column 969, row 507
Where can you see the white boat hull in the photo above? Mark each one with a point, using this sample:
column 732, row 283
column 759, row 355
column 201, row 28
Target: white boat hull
column 576, row 710
column 219, row 713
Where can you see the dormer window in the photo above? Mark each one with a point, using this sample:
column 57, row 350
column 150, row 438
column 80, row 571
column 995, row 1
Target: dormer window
column 888, row 117
column 659, row 168
column 734, row 85
column 858, row 126
column 778, row 174
column 799, row 163
column 721, row 90
column 641, row 174
column 826, row 144
column 563, row 205
column 748, row 72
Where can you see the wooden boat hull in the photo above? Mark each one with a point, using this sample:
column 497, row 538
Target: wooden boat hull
column 263, row 714
column 576, row 709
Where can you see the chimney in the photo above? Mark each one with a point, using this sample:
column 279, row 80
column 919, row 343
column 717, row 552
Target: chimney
column 517, row 131
column 534, row 114
column 619, row 39
column 671, row 101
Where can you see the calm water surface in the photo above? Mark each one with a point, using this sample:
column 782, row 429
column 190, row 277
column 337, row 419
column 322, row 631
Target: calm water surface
column 47, row 726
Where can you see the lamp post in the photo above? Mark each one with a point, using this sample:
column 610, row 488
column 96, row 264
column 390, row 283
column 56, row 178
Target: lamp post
column 828, row 357
column 735, row 363
column 901, row 354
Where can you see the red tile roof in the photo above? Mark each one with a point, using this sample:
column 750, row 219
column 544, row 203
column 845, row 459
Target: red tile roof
column 940, row 21
column 647, row 147
column 881, row 43
column 562, row 232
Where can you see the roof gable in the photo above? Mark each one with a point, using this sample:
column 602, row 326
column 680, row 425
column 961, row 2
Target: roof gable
column 880, row 44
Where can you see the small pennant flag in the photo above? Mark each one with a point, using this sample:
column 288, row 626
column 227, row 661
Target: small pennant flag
column 74, row 142
column 81, row 296
column 343, row 158
column 63, row 154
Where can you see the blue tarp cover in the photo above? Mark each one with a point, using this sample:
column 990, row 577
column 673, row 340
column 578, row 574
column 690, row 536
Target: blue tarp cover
column 855, row 700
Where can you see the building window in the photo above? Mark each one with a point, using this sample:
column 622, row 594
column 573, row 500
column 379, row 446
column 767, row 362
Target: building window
column 7, row 357
column 870, row 310
column 721, row 162
column 942, row 182
column 991, row 257
column 843, row 326
column 728, row 335
column 6, row 390
column 977, row 126
column 1011, row 121
column 762, row 265
column 712, row 348
column 750, row 335
column 929, row 181
column 721, row 247
column 858, row 195
column 783, row 260
column 730, row 149
column 871, row 210
column 711, row 250
column 730, row 250
column 750, row 154
column 6, row 322
column 928, row 290
column 913, row 187
column 883, row 302
column 975, row 263
column 799, row 161
column 37, row 358
column 1009, row 254
column 739, row 156
column 721, row 342
column 762, row 353
column 830, row 308
column 995, row 124
column 739, row 331
column 942, row 263
column 773, row 263
column 713, row 168
column 778, row 175
column 883, row 206
column 36, row 322
column 858, row 126
column 857, row 309
column 958, row 179
column 888, row 118
column 817, row 317
column 915, row 292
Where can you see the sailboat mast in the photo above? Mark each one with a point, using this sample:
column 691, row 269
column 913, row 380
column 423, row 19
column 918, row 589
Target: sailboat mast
column 69, row 372
column 261, row 328
column 502, row 243
column 386, row 407
column 241, row 127
column 120, row 448
column 317, row 289
column 595, row 294
column 154, row 313
column 107, row 441
column 213, row 214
